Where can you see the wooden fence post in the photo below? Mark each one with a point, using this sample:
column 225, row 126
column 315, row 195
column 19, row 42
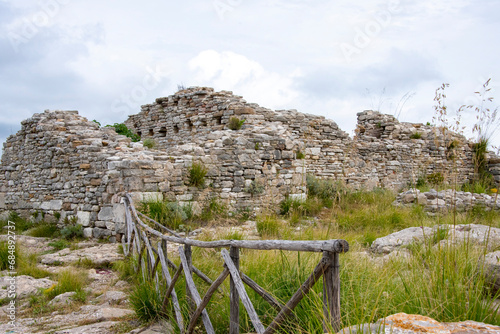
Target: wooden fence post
column 189, row 257
column 331, row 293
column 234, row 303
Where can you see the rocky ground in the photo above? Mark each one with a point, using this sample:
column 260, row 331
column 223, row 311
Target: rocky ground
column 106, row 309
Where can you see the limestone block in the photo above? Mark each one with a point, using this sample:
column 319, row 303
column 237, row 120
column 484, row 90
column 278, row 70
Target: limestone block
column 100, row 232
column 100, row 223
column 298, row 197
column 138, row 197
column 106, row 213
column 185, row 197
column 401, row 238
column 87, row 232
column 83, row 218
column 120, row 227
column 54, row 205
column 118, row 213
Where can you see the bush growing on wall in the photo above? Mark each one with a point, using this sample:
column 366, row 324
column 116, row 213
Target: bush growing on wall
column 197, row 173
column 122, row 129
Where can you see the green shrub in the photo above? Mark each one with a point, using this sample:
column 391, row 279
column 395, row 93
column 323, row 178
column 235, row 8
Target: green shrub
column 197, row 173
column 300, row 155
column 44, row 230
column 255, row 188
column 421, row 181
column 290, row 204
column 416, row 135
column 327, row 190
column 122, row 129
column 170, row 214
column 235, row 123
column 435, row 178
column 73, row 231
column 57, row 216
column 149, row 143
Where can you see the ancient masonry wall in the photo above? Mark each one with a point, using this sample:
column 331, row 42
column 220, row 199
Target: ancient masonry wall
column 61, row 162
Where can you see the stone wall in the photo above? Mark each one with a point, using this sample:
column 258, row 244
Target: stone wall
column 61, row 162
column 395, row 154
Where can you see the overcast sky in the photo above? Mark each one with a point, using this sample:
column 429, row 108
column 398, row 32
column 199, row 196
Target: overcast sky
column 332, row 58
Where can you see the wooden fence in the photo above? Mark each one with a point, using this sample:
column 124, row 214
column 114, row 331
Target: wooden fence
column 137, row 242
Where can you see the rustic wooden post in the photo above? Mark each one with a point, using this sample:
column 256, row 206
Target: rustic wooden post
column 234, row 304
column 331, row 293
column 189, row 257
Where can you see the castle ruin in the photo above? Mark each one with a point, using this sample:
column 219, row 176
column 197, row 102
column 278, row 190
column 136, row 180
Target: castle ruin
column 61, row 162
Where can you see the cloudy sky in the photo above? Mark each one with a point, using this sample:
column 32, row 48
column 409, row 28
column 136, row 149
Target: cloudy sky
column 333, row 58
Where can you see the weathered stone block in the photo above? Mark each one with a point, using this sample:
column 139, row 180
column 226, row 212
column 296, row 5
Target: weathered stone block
column 54, row 205
column 87, row 232
column 100, row 232
column 118, row 213
column 106, row 213
column 83, row 218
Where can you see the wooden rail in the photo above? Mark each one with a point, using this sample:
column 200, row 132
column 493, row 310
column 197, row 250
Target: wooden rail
column 136, row 242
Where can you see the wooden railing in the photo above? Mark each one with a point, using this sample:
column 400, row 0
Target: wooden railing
column 137, row 242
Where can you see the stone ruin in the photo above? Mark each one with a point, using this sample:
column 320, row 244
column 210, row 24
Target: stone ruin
column 61, row 162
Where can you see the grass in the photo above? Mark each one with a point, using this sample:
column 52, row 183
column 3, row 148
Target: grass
column 197, row 173
column 59, row 244
column 439, row 280
column 20, row 223
column 146, row 302
column 67, row 281
column 25, row 264
column 5, row 255
column 44, row 230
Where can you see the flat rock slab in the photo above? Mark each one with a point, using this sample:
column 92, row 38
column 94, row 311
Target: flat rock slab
column 31, row 244
column 113, row 297
column 25, row 285
column 97, row 328
column 401, row 238
column 86, row 315
column 403, row 323
column 163, row 327
column 473, row 233
column 100, row 255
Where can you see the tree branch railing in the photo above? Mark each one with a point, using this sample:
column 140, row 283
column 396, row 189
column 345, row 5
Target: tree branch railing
column 151, row 260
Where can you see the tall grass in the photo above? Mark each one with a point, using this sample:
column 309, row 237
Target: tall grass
column 67, row 281
column 439, row 280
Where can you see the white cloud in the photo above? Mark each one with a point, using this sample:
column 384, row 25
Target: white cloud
column 230, row 71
